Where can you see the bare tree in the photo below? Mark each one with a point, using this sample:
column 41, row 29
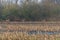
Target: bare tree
column 16, row 1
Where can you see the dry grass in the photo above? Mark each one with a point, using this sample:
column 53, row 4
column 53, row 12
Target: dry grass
column 27, row 27
column 24, row 36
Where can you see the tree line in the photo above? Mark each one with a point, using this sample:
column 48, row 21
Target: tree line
column 30, row 11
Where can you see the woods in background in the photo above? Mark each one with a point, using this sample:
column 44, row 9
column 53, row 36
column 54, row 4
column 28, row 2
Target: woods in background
column 30, row 11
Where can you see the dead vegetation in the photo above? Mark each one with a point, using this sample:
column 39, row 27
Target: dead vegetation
column 25, row 36
column 28, row 27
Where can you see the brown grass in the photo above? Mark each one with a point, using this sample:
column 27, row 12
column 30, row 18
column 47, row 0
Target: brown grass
column 24, row 36
column 27, row 27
